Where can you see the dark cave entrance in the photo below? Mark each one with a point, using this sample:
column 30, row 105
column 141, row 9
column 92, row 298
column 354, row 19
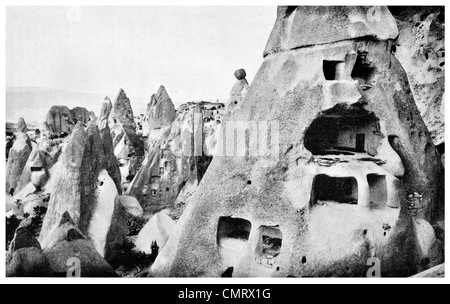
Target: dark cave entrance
column 233, row 228
column 377, row 190
column 333, row 70
column 363, row 71
column 344, row 130
column 232, row 239
column 269, row 244
column 342, row 190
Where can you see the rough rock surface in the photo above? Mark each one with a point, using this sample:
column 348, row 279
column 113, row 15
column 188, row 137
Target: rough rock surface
column 275, row 213
column 131, row 205
column 44, row 155
column 240, row 74
column 238, row 91
column 17, row 158
column 420, row 48
column 158, row 228
column 111, row 162
column 59, row 119
column 25, row 257
column 99, row 226
column 21, row 126
column 79, row 182
column 122, row 112
column 315, row 25
column 80, row 114
column 66, row 241
column 105, row 112
column 177, row 155
column 160, row 110
column 128, row 145
column 434, row 272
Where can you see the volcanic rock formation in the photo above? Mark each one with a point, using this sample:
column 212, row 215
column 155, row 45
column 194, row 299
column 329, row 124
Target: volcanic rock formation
column 128, row 146
column 160, row 111
column 420, row 48
column 177, row 156
column 66, row 242
column 18, row 157
column 238, row 91
column 25, row 257
column 61, row 120
column 349, row 146
column 83, row 188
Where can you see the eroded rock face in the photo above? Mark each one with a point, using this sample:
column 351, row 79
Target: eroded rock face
column 158, row 229
column 238, row 91
column 160, row 110
column 80, row 114
column 105, row 112
column 347, row 142
column 21, row 126
column 79, row 186
column 122, row 112
column 64, row 242
column 111, row 162
column 17, row 158
column 128, row 146
column 25, row 257
column 327, row 24
column 420, row 48
column 59, row 119
column 37, row 169
column 177, row 155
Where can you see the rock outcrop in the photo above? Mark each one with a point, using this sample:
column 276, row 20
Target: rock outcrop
column 64, row 242
column 111, row 163
column 18, row 157
column 325, row 190
column 131, row 205
column 21, row 126
column 434, row 272
column 80, row 114
column 37, row 169
column 61, row 120
column 83, row 188
column 158, row 229
column 128, row 146
column 238, row 91
column 160, row 111
column 177, row 156
column 122, row 112
column 420, row 48
column 25, row 257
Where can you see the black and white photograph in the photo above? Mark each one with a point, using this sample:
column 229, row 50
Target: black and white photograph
column 224, row 142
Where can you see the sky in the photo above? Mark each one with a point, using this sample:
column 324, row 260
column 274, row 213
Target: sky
column 192, row 51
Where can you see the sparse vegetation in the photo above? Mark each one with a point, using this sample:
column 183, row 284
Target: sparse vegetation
column 131, row 261
column 11, row 225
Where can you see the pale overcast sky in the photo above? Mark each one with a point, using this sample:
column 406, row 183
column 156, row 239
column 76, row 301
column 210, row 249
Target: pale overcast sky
column 192, row 51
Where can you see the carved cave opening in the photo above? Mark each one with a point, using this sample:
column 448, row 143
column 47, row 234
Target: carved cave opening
column 377, row 190
column 269, row 244
column 342, row 190
column 363, row 70
column 333, row 70
column 232, row 238
column 344, row 130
